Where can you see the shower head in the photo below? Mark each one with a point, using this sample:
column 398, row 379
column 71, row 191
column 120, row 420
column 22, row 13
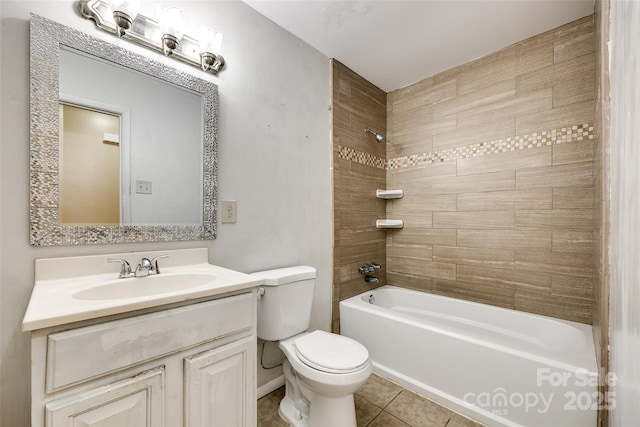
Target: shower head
column 379, row 136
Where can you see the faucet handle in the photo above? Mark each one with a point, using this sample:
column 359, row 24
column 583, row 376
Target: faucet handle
column 369, row 268
column 125, row 267
column 154, row 263
column 364, row 269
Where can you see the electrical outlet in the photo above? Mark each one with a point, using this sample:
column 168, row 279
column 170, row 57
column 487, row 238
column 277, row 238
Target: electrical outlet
column 228, row 213
column 143, row 187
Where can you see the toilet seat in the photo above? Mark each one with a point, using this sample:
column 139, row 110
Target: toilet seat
column 331, row 353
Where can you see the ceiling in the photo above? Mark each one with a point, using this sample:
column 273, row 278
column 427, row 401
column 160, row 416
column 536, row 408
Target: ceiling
column 394, row 43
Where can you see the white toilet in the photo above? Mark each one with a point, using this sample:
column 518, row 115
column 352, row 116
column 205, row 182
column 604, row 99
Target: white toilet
column 321, row 370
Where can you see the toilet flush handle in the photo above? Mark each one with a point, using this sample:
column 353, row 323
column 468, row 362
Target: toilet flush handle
column 261, row 292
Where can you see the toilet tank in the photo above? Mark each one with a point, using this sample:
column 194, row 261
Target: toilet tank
column 284, row 309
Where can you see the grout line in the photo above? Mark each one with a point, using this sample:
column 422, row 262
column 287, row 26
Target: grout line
column 449, row 419
column 394, row 398
column 379, row 412
column 390, row 415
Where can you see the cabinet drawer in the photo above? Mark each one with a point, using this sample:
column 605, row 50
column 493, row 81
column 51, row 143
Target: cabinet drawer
column 80, row 354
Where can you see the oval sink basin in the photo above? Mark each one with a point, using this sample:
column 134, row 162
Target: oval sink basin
column 144, row 286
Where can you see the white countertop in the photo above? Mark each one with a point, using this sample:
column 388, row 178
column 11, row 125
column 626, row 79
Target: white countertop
column 53, row 303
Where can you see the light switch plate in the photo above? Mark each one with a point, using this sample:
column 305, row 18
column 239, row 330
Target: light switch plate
column 228, row 211
column 143, row 187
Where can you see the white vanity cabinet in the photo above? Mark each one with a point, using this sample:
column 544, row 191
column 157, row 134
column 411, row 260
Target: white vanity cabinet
column 191, row 365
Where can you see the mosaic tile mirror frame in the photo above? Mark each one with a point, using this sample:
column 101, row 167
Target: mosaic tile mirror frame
column 47, row 37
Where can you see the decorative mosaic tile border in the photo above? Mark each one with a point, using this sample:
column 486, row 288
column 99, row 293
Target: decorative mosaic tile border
column 363, row 158
column 563, row 135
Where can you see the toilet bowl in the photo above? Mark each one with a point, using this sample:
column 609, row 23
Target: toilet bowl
column 322, row 371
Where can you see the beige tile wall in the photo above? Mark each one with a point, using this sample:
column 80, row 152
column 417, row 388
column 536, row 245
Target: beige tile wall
column 358, row 162
column 513, row 228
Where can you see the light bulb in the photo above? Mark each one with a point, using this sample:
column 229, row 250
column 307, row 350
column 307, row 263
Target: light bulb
column 171, row 24
column 128, row 7
column 210, row 41
column 171, row 21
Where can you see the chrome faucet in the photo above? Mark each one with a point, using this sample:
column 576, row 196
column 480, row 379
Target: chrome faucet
column 369, row 271
column 371, row 279
column 144, row 268
column 148, row 267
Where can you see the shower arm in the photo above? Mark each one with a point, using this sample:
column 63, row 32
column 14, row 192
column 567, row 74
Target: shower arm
column 378, row 135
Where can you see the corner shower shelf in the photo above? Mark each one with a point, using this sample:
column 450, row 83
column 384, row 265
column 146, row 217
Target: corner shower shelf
column 389, row 194
column 389, row 223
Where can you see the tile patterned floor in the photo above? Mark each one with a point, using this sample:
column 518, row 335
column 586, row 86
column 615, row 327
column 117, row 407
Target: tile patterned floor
column 379, row 403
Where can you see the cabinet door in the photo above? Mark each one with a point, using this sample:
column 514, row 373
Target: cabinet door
column 220, row 386
column 133, row 402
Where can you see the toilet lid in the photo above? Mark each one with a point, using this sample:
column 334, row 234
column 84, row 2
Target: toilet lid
column 331, row 352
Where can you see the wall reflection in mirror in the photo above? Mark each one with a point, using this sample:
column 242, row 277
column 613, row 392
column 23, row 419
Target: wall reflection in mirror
column 159, row 178
column 131, row 143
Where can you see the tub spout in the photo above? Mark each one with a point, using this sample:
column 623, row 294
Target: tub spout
column 371, row 279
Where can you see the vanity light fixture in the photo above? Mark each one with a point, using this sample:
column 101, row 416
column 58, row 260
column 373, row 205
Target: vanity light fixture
column 121, row 17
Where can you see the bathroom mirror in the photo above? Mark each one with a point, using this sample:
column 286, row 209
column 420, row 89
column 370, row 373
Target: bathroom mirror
column 165, row 141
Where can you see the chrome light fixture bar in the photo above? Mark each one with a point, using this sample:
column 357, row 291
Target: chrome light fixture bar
column 166, row 38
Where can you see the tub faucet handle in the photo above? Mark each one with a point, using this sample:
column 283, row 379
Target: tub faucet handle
column 369, row 268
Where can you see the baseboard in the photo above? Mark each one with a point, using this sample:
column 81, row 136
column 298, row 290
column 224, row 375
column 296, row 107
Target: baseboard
column 272, row 385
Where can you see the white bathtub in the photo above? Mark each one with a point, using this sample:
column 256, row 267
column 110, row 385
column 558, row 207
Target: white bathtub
column 499, row 366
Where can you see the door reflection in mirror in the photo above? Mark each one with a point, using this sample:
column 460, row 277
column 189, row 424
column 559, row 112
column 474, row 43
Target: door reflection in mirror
column 89, row 167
